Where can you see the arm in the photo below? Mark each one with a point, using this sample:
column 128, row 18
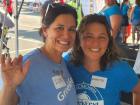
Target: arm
column 131, row 12
column 11, row 97
column 13, row 73
column 136, row 94
column 115, row 24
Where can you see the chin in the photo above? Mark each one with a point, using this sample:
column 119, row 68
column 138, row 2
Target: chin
column 63, row 50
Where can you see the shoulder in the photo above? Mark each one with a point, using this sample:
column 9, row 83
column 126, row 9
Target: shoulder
column 31, row 55
column 114, row 10
column 122, row 67
column 120, row 64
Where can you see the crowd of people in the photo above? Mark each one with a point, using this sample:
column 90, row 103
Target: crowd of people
column 91, row 72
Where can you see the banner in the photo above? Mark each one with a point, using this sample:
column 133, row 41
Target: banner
column 91, row 6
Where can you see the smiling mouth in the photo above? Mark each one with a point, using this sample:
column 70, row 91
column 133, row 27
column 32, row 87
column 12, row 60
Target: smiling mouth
column 94, row 49
column 64, row 43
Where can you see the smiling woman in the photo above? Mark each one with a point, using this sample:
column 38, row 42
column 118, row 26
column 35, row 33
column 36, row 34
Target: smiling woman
column 98, row 73
column 44, row 73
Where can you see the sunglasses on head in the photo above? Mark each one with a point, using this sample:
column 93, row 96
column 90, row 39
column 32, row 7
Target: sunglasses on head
column 54, row 5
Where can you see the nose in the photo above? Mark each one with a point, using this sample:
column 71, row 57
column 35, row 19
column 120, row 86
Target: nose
column 66, row 34
column 96, row 41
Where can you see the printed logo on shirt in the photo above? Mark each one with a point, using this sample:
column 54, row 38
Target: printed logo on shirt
column 62, row 94
column 88, row 95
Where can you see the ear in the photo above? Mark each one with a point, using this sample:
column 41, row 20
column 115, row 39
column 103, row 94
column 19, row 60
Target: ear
column 45, row 32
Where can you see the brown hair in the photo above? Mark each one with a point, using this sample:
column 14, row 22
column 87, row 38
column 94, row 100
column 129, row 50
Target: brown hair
column 77, row 55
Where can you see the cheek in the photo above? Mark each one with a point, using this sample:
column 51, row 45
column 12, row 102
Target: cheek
column 105, row 45
column 83, row 44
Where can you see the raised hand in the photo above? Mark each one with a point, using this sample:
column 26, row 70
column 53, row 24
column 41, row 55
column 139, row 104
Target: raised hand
column 13, row 72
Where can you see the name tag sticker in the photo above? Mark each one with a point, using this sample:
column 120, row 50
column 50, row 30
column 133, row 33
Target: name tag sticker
column 58, row 81
column 98, row 81
column 90, row 102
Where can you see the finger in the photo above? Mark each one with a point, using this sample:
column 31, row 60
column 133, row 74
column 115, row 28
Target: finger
column 26, row 67
column 8, row 61
column 2, row 60
column 15, row 61
column 20, row 60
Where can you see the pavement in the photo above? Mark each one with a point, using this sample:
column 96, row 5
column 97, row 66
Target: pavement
column 28, row 36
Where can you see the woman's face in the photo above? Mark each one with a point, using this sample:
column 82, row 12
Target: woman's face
column 94, row 41
column 60, row 35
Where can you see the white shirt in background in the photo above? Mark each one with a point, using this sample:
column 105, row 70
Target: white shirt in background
column 137, row 63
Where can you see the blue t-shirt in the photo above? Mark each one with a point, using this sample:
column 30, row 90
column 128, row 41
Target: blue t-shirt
column 124, row 9
column 46, row 83
column 136, row 15
column 112, row 10
column 102, row 86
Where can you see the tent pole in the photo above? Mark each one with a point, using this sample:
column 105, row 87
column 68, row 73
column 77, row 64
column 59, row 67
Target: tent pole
column 16, row 28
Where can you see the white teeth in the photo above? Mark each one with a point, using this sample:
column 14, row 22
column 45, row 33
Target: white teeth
column 97, row 49
column 63, row 42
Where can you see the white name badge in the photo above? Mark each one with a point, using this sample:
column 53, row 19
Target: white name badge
column 58, row 81
column 91, row 102
column 98, row 81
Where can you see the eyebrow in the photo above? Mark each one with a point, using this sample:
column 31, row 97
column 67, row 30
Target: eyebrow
column 60, row 25
column 89, row 33
column 74, row 26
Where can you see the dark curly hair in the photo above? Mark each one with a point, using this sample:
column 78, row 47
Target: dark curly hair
column 111, row 53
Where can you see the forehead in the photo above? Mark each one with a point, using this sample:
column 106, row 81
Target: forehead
column 65, row 19
column 95, row 26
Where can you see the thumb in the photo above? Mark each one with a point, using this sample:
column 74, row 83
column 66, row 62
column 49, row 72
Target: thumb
column 26, row 67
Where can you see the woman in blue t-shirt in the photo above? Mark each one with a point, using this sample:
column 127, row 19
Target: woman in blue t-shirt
column 125, row 6
column 114, row 17
column 44, row 78
column 135, row 20
column 98, row 73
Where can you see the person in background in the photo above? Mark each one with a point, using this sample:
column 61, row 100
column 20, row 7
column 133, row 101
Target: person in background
column 8, row 6
column 94, row 64
column 135, row 21
column 125, row 6
column 114, row 17
column 43, row 79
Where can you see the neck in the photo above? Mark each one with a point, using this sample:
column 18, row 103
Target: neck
column 92, row 66
column 52, row 55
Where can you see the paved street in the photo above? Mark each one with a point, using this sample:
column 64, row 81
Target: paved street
column 29, row 24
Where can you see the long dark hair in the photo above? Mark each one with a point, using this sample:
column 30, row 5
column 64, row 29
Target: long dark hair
column 77, row 54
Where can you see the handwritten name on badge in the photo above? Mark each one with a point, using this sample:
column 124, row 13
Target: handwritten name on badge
column 58, row 81
column 98, row 81
column 91, row 102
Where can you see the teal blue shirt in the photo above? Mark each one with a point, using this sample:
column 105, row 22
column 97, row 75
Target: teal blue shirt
column 104, row 85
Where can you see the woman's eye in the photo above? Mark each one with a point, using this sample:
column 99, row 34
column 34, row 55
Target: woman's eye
column 72, row 29
column 103, row 38
column 87, row 37
column 59, row 28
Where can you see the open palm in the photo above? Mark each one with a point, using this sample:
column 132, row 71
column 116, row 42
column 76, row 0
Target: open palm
column 13, row 72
